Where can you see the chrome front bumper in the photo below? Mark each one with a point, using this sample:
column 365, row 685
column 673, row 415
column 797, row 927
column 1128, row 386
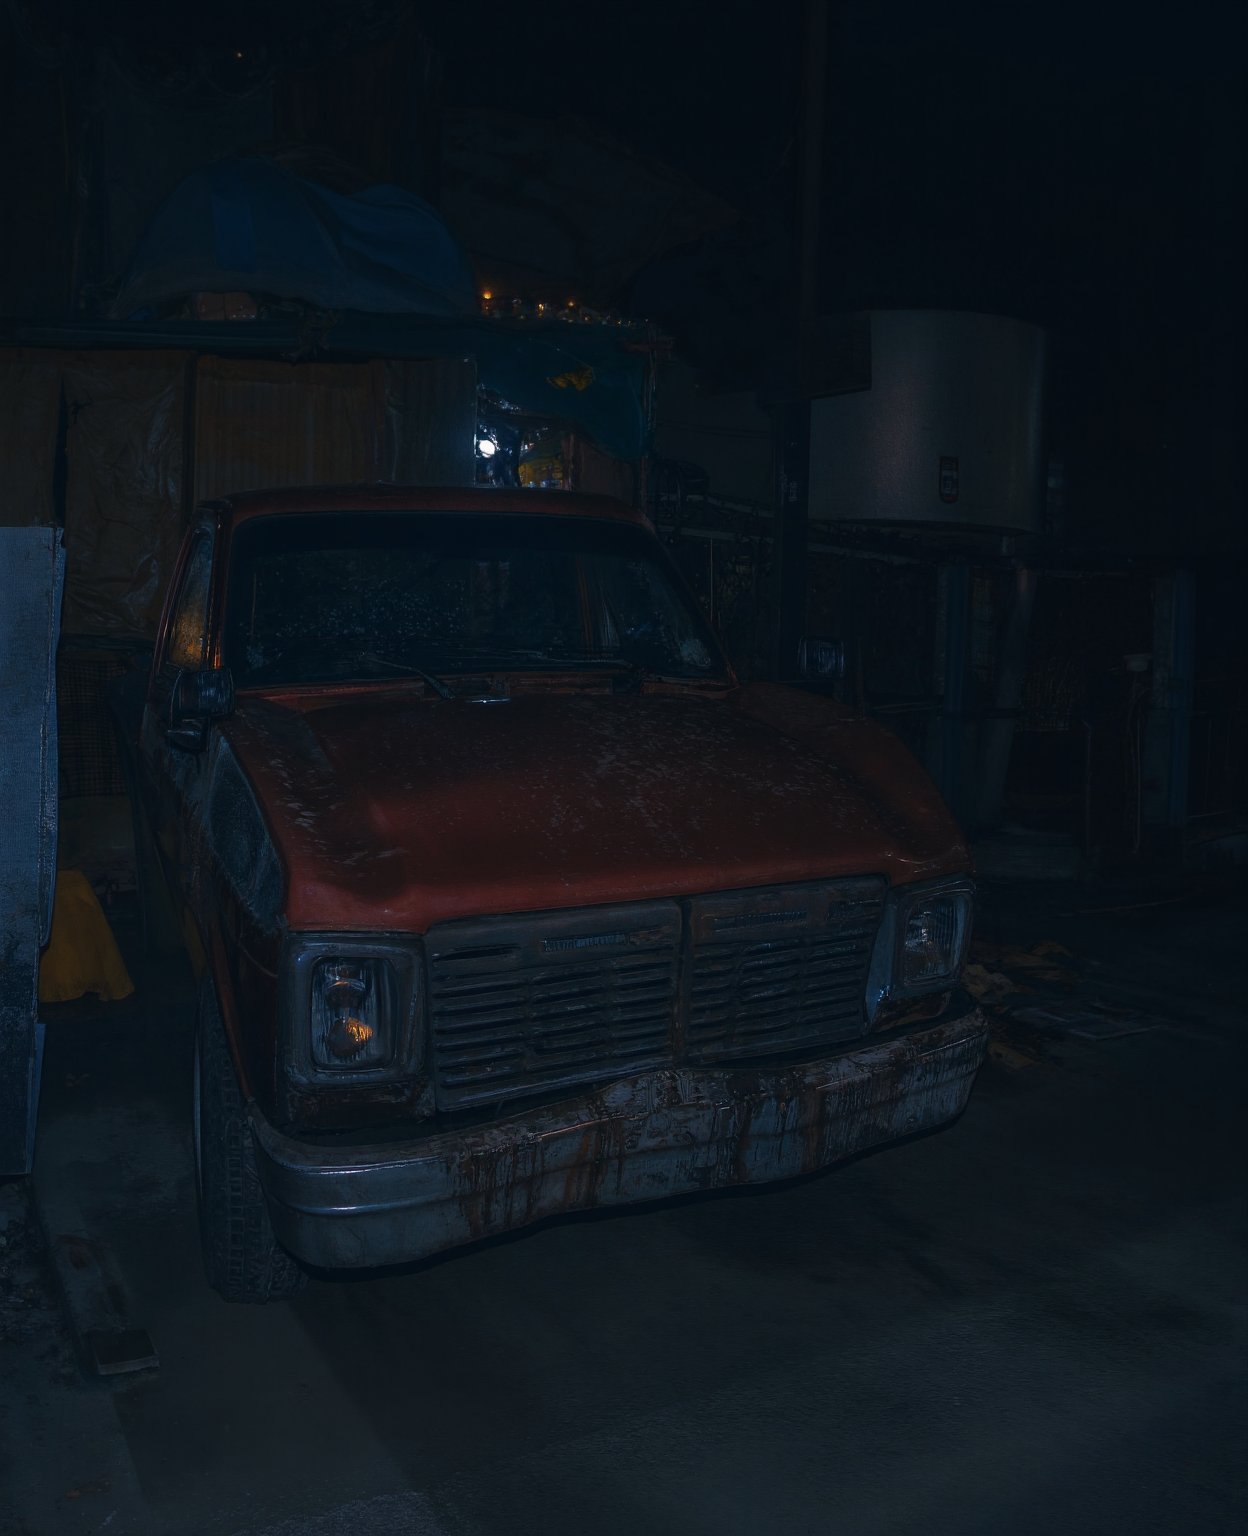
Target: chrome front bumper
column 665, row 1132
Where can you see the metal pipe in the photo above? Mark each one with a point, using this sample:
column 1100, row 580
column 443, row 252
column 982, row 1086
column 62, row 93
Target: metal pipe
column 998, row 730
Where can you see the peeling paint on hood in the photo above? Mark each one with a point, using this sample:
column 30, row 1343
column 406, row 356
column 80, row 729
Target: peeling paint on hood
column 393, row 811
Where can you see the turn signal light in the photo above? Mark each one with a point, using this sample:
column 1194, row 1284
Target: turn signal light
column 348, row 1037
column 353, row 1013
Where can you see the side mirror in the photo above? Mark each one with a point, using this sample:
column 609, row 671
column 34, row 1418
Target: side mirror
column 197, row 699
column 821, row 660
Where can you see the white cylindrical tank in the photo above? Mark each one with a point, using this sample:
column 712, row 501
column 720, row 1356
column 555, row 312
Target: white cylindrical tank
column 949, row 432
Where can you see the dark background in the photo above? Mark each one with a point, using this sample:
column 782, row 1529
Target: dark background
column 1077, row 166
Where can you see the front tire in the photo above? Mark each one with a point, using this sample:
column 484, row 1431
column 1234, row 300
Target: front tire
column 242, row 1258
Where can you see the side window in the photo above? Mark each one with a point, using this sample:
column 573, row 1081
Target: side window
column 189, row 626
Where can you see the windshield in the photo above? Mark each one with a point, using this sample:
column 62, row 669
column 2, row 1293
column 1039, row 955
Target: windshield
column 327, row 597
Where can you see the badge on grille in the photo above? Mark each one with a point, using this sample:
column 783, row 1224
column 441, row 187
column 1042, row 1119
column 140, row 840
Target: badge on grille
column 602, row 940
column 760, row 919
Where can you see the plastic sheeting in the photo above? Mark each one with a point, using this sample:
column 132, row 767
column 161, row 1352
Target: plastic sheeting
column 592, row 378
column 30, row 395
column 251, row 224
column 601, row 475
column 252, row 422
column 431, row 421
column 124, row 517
column 260, row 423
column 528, row 364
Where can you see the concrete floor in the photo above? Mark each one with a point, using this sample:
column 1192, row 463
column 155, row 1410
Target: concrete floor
column 1035, row 1321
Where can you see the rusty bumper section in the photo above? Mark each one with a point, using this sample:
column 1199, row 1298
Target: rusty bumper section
column 664, row 1132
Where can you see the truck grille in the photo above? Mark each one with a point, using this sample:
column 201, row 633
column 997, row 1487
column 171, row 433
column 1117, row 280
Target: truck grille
column 524, row 1004
column 779, row 970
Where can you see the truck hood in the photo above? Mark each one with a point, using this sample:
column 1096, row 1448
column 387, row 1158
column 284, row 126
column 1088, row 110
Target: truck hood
column 395, row 812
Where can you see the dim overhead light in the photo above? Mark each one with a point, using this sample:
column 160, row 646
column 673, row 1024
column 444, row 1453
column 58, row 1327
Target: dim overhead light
column 487, row 295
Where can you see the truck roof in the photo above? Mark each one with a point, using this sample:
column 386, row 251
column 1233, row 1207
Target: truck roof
column 423, row 498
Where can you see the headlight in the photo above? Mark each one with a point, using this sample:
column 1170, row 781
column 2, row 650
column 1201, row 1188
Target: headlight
column 922, row 941
column 350, row 1008
column 353, row 1009
column 933, row 940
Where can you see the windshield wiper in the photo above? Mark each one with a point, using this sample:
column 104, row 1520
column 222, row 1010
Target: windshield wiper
column 614, row 663
column 545, row 659
column 485, row 656
column 443, row 690
column 632, row 675
column 536, row 660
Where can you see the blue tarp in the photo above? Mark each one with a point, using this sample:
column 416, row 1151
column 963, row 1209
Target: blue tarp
column 394, row 278
column 250, row 224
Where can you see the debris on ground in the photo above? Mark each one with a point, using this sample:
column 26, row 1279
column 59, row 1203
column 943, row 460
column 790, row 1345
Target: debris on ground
column 984, row 985
column 1029, row 996
column 101, row 1485
column 999, row 976
column 1023, row 967
column 1091, row 1020
column 1011, row 1058
column 1013, row 1046
column 28, row 1306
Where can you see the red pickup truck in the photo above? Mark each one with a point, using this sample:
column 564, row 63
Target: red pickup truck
column 506, row 897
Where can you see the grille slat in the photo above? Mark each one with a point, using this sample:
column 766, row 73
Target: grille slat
column 774, row 972
column 521, row 1005
column 570, row 996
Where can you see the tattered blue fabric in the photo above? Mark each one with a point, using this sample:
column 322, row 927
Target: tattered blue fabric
column 250, row 224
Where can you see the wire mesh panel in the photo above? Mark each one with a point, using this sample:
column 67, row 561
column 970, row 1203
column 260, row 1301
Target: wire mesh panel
column 89, row 761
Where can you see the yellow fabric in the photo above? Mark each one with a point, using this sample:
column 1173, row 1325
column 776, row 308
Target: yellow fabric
column 82, row 955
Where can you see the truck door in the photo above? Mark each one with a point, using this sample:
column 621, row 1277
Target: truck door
column 170, row 776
